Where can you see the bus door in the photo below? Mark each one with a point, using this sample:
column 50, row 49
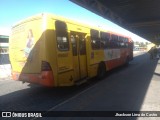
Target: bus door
column 78, row 42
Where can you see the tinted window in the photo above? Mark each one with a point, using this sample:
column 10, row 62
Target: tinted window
column 105, row 39
column 95, row 40
column 114, row 41
column 126, row 42
column 121, row 40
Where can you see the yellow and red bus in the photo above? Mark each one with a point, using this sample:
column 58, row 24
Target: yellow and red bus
column 54, row 51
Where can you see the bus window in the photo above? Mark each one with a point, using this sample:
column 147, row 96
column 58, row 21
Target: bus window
column 95, row 41
column 126, row 42
column 130, row 44
column 62, row 36
column 121, row 39
column 114, row 41
column 105, row 37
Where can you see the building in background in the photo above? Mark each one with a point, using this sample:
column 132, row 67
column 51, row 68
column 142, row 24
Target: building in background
column 5, row 68
column 4, row 44
column 4, row 49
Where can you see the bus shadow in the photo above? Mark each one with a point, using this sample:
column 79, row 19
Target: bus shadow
column 37, row 98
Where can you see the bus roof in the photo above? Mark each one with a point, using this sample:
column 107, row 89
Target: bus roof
column 56, row 17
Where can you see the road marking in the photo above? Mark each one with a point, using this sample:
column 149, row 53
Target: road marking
column 69, row 99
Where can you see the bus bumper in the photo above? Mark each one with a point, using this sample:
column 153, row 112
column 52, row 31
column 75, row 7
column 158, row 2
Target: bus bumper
column 44, row 78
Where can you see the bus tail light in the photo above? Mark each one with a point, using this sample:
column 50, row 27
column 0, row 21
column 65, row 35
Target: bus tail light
column 45, row 66
column 47, row 78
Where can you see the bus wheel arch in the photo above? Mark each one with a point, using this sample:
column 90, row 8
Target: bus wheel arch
column 101, row 71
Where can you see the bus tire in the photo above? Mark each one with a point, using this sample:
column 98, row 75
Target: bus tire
column 101, row 72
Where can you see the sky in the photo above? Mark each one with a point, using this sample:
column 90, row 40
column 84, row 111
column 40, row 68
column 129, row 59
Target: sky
column 12, row 11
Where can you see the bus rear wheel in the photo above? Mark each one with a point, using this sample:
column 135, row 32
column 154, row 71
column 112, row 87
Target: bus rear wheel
column 101, row 70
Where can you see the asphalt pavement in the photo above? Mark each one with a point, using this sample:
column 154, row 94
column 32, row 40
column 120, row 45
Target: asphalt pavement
column 135, row 88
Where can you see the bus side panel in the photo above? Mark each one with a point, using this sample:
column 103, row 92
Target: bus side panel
column 96, row 56
column 112, row 58
column 27, row 51
column 25, row 43
column 65, row 68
